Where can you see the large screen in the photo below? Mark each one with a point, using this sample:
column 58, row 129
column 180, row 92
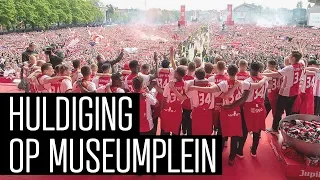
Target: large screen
column 314, row 19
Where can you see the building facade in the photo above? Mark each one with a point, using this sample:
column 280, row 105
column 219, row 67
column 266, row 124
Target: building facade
column 246, row 13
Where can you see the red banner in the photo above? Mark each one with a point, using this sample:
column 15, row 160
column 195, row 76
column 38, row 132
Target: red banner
column 183, row 13
column 229, row 18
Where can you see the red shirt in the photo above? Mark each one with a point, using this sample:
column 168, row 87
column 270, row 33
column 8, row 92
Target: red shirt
column 128, row 82
column 241, row 76
column 187, row 103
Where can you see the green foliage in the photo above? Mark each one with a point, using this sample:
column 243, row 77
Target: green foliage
column 46, row 13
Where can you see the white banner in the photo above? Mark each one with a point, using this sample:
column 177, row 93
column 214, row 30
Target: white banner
column 314, row 19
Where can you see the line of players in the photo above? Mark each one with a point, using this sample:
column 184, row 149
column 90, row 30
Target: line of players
column 197, row 99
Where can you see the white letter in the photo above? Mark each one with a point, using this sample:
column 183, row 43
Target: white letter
column 62, row 154
column 104, row 147
column 81, row 157
column 211, row 158
column 97, row 114
column 197, row 155
column 126, row 170
column 86, row 114
column 20, row 157
column 155, row 155
column 170, row 170
column 93, row 156
column 28, row 155
column 105, row 106
column 184, row 156
column 44, row 117
column 129, row 115
column 58, row 115
column 16, row 113
column 142, row 159
column 37, row 115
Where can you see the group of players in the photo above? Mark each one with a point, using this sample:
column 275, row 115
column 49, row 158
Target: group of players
column 196, row 98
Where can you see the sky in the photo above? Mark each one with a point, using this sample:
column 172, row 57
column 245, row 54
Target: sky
column 200, row 4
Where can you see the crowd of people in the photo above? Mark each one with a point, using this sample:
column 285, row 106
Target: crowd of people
column 243, row 74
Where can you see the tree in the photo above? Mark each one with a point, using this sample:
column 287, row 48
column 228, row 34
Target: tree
column 45, row 13
column 8, row 13
column 299, row 4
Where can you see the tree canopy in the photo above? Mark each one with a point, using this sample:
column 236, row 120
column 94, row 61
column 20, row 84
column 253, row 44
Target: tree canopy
column 46, row 13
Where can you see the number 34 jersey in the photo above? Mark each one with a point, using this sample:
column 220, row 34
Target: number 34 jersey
column 256, row 95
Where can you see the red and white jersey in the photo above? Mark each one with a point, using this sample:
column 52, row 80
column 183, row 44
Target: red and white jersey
column 227, row 85
column 41, row 86
column 291, row 80
column 125, row 74
column 146, row 79
column 256, row 95
column 316, row 87
column 201, row 99
column 308, row 84
column 164, row 76
column 187, row 103
column 275, row 86
column 128, row 82
column 100, row 81
column 216, row 80
column 171, row 96
column 146, row 121
column 241, row 76
column 103, row 89
column 76, row 75
column 61, row 86
column 209, row 75
column 90, row 86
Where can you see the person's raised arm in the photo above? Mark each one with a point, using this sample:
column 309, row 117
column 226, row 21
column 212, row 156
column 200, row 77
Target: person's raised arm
column 173, row 63
column 155, row 75
column 272, row 74
column 118, row 58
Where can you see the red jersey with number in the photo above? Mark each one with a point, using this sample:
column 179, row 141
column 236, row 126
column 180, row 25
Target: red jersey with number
column 55, row 87
column 187, row 103
column 291, row 80
column 128, row 82
column 241, row 76
column 253, row 109
column 171, row 114
column 201, row 115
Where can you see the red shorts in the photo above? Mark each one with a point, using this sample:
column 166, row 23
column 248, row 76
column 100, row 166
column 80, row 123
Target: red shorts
column 307, row 104
column 231, row 122
column 171, row 117
column 255, row 116
column 297, row 104
column 273, row 101
column 201, row 121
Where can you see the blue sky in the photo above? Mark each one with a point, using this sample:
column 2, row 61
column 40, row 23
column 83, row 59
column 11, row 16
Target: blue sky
column 201, row 4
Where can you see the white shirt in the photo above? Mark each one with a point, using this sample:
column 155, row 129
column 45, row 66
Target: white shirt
column 65, row 85
column 200, row 98
column 289, row 79
column 8, row 71
column 146, row 79
column 46, row 86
